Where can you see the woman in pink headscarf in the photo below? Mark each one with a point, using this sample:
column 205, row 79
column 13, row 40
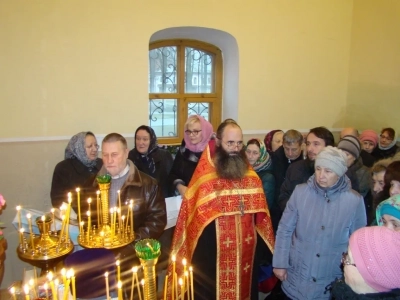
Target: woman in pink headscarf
column 198, row 132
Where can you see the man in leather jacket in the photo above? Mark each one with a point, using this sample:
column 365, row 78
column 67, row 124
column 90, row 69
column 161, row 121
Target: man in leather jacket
column 149, row 211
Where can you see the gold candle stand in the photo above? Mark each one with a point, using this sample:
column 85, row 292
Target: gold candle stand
column 46, row 249
column 107, row 235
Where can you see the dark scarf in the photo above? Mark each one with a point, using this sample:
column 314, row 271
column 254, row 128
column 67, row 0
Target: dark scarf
column 147, row 158
column 188, row 154
column 341, row 291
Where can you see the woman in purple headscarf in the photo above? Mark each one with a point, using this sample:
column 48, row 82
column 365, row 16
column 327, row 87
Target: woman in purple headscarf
column 273, row 140
column 198, row 132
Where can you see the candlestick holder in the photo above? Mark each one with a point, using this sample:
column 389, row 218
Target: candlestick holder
column 110, row 233
column 47, row 249
column 148, row 251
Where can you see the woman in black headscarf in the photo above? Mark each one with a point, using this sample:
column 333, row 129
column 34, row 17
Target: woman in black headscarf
column 78, row 169
column 149, row 158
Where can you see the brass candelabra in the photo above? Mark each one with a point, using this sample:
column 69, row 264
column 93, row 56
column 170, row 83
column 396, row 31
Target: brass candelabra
column 114, row 230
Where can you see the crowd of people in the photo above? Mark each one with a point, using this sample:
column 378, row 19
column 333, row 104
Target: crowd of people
column 319, row 207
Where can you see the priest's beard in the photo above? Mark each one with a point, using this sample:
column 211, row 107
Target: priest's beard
column 232, row 165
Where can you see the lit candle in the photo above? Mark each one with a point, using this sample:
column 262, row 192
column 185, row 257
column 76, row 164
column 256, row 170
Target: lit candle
column 62, row 230
column 89, row 225
column 64, row 277
column 123, row 227
column 33, row 287
column 81, row 228
column 12, row 291
column 127, row 221
column 56, row 283
column 21, row 236
column 134, row 270
column 30, row 230
column 112, row 222
column 173, row 258
column 118, row 271
column 68, row 216
column 119, row 199
column 184, row 262
column 54, row 219
column 89, row 201
column 53, row 290
column 66, row 286
column 191, row 281
column 46, row 287
column 19, row 216
column 26, row 290
column 142, row 282
column 115, row 219
column 107, row 287
column 120, row 290
column 181, row 285
column 165, row 287
column 119, row 220
column 98, row 208
column 131, row 215
column 138, row 286
column 187, row 287
column 79, row 204
column 73, row 284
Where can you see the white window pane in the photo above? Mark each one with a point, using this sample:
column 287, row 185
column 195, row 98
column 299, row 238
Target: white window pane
column 199, row 108
column 199, row 71
column 163, row 117
column 162, row 70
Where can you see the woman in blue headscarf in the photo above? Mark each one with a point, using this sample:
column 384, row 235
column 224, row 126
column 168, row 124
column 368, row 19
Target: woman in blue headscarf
column 78, row 169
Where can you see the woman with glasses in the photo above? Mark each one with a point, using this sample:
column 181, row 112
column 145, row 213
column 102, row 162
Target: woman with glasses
column 387, row 144
column 149, row 158
column 198, row 132
column 371, row 266
column 78, row 169
column 315, row 228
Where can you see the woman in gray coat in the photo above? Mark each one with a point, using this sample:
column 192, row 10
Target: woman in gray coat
column 315, row 228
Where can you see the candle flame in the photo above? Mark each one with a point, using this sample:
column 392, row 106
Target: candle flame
column 184, row 262
column 180, row 281
column 98, row 193
column 106, row 274
column 52, row 210
column 190, row 269
column 26, row 289
column 88, row 213
column 134, row 269
column 50, row 276
column 18, row 208
column 89, row 200
column 117, row 262
column 12, row 290
column 119, row 284
column 173, row 258
column 22, row 230
column 69, row 195
column 142, row 282
column 28, row 215
column 77, row 190
column 45, row 286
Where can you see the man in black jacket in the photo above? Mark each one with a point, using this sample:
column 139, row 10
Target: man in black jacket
column 317, row 139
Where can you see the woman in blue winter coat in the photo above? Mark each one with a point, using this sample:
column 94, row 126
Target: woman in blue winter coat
column 315, row 228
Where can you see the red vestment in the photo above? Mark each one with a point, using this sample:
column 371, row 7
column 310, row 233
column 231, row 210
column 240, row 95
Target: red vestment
column 239, row 209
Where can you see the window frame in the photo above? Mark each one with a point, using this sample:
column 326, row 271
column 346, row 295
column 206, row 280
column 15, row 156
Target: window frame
column 182, row 98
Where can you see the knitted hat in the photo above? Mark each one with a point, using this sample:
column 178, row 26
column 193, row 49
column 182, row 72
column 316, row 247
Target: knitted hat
column 332, row 158
column 376, row 255
column 369, row 135
column 350, row 144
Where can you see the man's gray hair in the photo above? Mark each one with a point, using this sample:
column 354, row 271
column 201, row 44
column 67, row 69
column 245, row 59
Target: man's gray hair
column 292, row 136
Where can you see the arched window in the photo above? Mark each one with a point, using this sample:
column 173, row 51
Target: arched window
column 185, row 78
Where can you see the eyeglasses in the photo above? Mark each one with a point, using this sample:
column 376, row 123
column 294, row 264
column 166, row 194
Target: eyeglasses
column 91, row 146
column 194, row 132
column 345, row 260
column 388, row 138
column 233, row 144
